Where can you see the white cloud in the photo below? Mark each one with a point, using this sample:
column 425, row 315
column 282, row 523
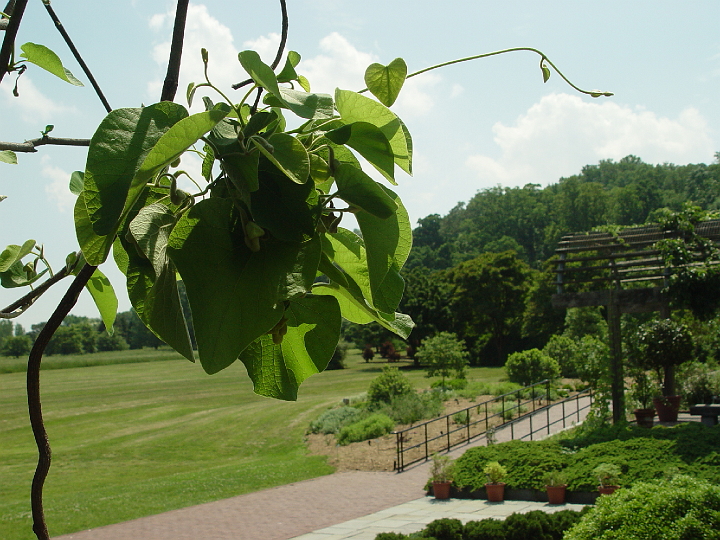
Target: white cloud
column 33, row 105
column 265, row 46
column 340, row 65
column 561, row 133
column 58, row 189
column 202, row 31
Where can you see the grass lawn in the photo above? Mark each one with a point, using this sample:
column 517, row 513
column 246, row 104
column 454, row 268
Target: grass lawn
column 136, row 439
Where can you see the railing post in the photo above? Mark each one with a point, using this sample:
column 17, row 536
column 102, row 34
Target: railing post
column 427, row 453
column 468, row 424
column 547, row 414
column 487, row 420
column 447, row 423
column 563, row 413
column 531, row 427
column 398, row 445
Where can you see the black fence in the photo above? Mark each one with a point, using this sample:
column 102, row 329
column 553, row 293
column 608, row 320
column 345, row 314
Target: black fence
column 417, row 443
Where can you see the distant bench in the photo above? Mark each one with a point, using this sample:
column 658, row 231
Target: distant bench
column 708, row 413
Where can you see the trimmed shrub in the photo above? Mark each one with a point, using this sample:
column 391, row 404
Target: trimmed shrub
column 679, row 509
column 531, row 366
column 333, row 420
column 375, row 425
column 391, row 536
column 444, row 529
column 390, row 384
column 487, row 529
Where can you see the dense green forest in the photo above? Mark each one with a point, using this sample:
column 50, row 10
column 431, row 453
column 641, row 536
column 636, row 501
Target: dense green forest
column 481, row 270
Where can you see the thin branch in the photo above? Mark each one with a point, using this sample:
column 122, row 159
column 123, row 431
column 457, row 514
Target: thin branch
column 173, row 72
column 77, row 56
column 281, row 48
column 21, row 305
column 8, row 43
column 34, row 405
column 30, row 146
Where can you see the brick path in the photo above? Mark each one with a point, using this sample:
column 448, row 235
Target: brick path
column 288, row 511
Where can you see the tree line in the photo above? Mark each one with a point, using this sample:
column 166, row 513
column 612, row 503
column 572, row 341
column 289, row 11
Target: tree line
column 482, row 271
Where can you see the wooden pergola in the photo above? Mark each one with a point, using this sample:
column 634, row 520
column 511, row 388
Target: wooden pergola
column 624, row 272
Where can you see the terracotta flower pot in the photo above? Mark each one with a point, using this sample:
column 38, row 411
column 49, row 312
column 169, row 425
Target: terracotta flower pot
column 645, row 417
column 607, row 490
column 556, row 494
column 667, row 408
column 441, row 490
column 495, row 492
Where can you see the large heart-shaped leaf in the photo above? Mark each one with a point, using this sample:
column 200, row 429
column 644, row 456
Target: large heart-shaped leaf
column 313, row 329
column 234, row 295
column 354, row 107
column 385, row 82
column 370, row 142
column 358, row 189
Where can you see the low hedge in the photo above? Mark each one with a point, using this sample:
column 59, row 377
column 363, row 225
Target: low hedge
column 536, row 525
column 680, row 509
column 642, row 454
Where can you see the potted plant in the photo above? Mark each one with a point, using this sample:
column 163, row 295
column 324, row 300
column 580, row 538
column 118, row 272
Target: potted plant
column 641, row 393
column 495, row 487
column 665, row 344
column 441, row 475
column 607, row 474
column 555, row 486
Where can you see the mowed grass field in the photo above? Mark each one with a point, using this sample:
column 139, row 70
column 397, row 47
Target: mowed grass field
column 132, row 440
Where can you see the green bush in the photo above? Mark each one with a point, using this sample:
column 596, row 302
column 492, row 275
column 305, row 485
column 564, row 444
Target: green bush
column 333, row 420
column 531, row 366
column 563, row 350
column 391, row 536
column 679, row 509
column 450, row 384
column 375, row 425
column 390, row 384
column 486, row 529
column 411, row 408
column 444, row 529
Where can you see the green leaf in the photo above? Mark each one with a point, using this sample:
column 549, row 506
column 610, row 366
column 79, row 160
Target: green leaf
column 14, row 253
column 258, row 122
column 208, row 161
column 385, row 82
column 354, row 310
column 288, row 72
column 233, row 292
column 260, row 72
column 319, row 169
column 103, row 295
column 370, row 142
column 288, row 154
column 308, row 105
column 43, row 57
column 151, row 275
column 313, row 329
column 19, row 275
column 288, row 210
column 388, row 242
column 545, row 72
column 77, row 182
column 8, row 156
column 358, row 189
column 354, row 107
column 117, row 150
column 300, row 279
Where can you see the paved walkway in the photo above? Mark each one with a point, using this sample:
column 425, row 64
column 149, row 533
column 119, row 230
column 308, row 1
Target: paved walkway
column 332, row 507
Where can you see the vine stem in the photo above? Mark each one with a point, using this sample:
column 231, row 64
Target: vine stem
column 10, row 33
column 173, row 72
column 543, row 58
column 76, row 54
column 34, row 404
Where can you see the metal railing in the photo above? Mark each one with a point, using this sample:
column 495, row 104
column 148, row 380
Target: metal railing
column 479, row 419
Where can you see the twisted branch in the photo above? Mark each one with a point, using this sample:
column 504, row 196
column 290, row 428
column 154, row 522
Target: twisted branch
column 173, row 72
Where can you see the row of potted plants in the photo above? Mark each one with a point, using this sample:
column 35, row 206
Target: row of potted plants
column 441, row 475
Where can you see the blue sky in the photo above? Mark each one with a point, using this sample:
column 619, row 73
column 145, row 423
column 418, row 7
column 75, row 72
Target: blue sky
column 475, row 125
